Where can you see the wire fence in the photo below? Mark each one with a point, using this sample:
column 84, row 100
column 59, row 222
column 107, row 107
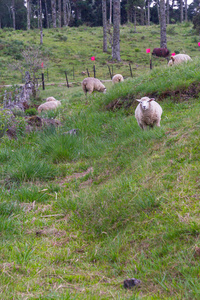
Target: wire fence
column 70, row 77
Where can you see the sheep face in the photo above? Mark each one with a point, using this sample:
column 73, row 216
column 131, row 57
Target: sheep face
column 144, row 102
column 104, row 91
column 171, row 62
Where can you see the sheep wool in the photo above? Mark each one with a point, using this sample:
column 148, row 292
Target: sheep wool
column 50, row 99
column 148, row 113
column 49, row 105
column 178, row 58
column 91, row 84
column 117, row 78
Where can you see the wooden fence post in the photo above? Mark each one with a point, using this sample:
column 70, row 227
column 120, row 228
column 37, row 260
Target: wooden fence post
column 130, row 69
column 66, row 79
column 151, row 64
column 109, row 72
column 43, row 87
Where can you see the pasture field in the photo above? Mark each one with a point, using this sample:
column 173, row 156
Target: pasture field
column 81, row 213
column 71, row 49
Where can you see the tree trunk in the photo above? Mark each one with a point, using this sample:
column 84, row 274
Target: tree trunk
column 116, row 30
column 167, row 11
column 78, row 13
column 181, row 11
column 104, row 17
column 28, row 15
column 186, row 15
column 148, row 12
column 66, row 12
column 128, row 16
column 38, row 13
column 135, row 19
column 59, row 13
column 142, row 16
column 110, row 20
column 41, row 30
column 158, row 10
column 13, row 13
column 53, row 9
column 46, row 13
column 163, row 36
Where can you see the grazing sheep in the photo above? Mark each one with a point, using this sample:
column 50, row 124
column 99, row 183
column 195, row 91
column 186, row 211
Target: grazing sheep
column 49, row 105
column 50, row 99
column 148, row 113
column 117, row 78
column 160, row 52
column 178, row 58
column 91, row 84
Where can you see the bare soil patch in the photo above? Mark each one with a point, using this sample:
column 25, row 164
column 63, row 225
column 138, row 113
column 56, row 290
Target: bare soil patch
column 178, row 95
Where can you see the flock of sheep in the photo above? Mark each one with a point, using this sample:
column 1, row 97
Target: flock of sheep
column 148, row 112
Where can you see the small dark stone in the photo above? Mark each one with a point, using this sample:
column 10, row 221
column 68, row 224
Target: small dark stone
column 131, row 282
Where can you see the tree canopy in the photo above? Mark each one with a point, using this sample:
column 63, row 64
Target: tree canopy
column 88, row 12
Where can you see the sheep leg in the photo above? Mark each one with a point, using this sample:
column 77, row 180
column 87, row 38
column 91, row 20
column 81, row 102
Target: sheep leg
column 158, row 123
column 143, row 126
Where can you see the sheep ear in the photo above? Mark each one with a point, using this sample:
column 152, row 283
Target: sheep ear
column 138, row 100
column 172, row 58
column 151, row 99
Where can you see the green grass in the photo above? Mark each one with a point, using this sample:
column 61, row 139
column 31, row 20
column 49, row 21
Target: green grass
column 80, row 214
column 62, row 48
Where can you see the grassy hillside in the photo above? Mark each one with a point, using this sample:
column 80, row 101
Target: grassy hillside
column 70, row 49
column 80, row 214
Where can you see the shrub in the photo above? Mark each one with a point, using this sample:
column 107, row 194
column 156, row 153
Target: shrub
column 196, row 22
column 14, row 49
column 9, row 29
column 177, row 51
column 171, row 30
column 186, row 24
column 4, row 117
column 31, row 111
column 60, row 37
column 194, row 39
column 153, row 32
column 20, row 123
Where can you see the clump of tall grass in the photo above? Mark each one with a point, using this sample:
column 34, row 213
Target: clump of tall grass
column 9, row 225
column 28, row 167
